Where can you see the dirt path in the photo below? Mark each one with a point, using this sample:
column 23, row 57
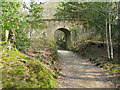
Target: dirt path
column 80, row 73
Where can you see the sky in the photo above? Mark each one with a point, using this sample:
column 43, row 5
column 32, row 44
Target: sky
column 69, row 0
column 27, row 1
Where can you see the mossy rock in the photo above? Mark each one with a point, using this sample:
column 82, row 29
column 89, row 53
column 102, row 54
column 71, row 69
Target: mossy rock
column 20, row 71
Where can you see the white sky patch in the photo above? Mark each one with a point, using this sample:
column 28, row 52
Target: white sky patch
column 27, row 1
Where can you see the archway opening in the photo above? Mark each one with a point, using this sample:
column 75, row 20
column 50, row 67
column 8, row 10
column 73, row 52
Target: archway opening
column 62, row 38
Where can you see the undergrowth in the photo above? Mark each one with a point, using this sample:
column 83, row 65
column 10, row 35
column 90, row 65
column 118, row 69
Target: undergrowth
column 45, row 51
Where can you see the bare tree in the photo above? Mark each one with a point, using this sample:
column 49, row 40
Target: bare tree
column 119, row 32
column 110, row 35
column 108, row 32
column 107, row 37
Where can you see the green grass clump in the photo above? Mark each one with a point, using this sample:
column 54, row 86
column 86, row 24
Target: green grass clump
column 21, row 71
column 114, row 71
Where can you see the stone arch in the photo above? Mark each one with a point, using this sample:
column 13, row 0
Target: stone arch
column 67, row 37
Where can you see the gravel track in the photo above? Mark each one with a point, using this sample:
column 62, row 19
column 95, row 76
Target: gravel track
column 81, row 73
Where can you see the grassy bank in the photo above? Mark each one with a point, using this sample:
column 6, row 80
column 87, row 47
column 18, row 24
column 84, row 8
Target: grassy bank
column 21, row 71
column 35, row 67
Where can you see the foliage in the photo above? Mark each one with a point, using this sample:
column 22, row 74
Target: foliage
column 22, row 40
column 93, row 13
column 12, row 18
column 34, row 18
column 20, row 71
column 10, row 15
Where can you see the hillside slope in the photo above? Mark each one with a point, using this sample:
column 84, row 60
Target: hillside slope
column 21, row 71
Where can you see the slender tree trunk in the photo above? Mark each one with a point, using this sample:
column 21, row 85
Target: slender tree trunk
column 111, row 46
column 110, row 35
column 11, row 39
column 107, row 37
column 119, row 32
column 107, row 41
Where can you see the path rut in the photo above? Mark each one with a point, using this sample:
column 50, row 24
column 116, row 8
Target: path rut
column 81, row 73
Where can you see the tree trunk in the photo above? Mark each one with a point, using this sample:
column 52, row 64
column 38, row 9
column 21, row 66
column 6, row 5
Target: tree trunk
column 107, row 37
column 108, row 32
column 11, row 39
column 110, row 36
column 107, row 41
column 119, row 32
column 6, row 35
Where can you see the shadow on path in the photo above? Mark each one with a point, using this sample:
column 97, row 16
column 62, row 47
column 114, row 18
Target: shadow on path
column 80, row 73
